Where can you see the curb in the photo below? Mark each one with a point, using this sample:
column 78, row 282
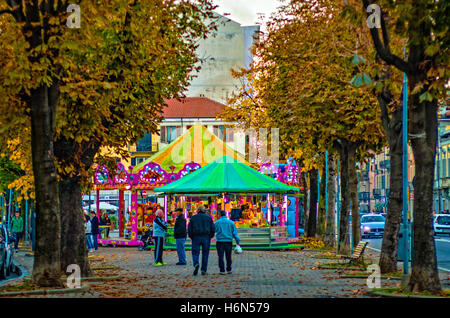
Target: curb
column 336, row 268
column 97, row 278
column 104, row 267
column 361, row 276
column 377, row 293
column 46, row 291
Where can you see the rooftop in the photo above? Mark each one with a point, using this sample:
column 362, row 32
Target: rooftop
column 192, row 107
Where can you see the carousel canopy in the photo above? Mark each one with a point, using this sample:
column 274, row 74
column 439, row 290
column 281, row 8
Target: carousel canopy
column 197, row 144
column 226, row 174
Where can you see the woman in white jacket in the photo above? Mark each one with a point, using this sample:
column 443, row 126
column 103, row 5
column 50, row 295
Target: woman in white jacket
column 87, row 230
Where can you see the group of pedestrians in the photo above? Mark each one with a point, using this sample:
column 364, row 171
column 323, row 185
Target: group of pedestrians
column 201, row 230
column 91, row 228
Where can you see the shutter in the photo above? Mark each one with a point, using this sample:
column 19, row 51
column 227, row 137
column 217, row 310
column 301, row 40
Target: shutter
column 163, row 133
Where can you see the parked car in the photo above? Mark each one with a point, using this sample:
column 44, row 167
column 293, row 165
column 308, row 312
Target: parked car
column 6, row 253
column 441, row 224
column 372, row 225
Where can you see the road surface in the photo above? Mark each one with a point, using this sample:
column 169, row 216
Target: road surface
column 442, row 250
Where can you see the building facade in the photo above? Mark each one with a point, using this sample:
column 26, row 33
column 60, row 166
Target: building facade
column 441, row 187
column 179, row 116
column 228, row 48
column 373, row 182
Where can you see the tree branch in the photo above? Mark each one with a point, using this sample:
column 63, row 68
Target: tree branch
column 383, row 50
column 6, row 11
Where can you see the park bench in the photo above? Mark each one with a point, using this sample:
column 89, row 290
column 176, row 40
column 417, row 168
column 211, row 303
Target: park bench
column 357, row 256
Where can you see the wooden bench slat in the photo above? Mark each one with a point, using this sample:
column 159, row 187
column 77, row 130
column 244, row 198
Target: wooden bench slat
column 357, row 252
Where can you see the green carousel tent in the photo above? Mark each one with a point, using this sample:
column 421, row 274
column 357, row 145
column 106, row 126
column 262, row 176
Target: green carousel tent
column 226, row 175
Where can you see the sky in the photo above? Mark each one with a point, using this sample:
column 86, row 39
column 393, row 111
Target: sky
column 246, row 12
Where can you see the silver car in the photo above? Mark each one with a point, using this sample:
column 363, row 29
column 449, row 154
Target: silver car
column 372, row 225
column 441, row 224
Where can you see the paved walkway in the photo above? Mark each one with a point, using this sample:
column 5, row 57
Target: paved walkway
column 256, row 274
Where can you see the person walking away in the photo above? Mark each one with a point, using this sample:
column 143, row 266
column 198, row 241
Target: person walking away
column 101, row 222
column 180, row 234
column 200, row 231
column 225, row 232
column 87, row 230
column 16, row 228
column 159, row 232
column 94, row 230
column 107, row 222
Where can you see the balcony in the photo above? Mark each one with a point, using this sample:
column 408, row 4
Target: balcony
column 376, row 193
column 363, row 196
column 144, row 148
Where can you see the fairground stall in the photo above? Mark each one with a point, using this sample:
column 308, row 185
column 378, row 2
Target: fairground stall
column 271, row 210
column 189, row 152
column 245, row 194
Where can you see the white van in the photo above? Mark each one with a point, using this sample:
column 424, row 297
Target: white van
column 441, row 224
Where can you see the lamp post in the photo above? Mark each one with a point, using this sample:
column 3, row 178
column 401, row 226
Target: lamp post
column 11, row 195
column 438, row 174
column 326, row 183
column 405, row 240
column 338, row 203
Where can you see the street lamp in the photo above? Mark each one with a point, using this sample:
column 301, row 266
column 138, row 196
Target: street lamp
column 405, row 238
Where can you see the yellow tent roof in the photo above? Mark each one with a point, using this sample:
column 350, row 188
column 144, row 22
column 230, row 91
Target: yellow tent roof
column 197, row 144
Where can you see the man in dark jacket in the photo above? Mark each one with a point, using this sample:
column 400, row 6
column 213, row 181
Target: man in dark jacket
column 180, row 234
column 94, row 229
column 201, row 231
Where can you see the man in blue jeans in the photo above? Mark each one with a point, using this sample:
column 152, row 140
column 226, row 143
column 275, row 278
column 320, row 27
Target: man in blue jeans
column 159, row 233
column 200, row 231
column 94, row 230
column 180, row 234
column 225, row 232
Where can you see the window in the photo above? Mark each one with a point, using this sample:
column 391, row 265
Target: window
column 140, row 159
column 218, row 131
column 145, row 144
column 448, row 166
column 372, row 218
column 444, row 165
column 172, row 133
column 229, row 134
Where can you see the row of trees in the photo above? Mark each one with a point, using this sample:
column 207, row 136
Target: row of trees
column 332, row 82
column 67, row 93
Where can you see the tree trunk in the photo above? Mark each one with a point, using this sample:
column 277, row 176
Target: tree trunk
column 46, row 266
column 393, row 129
column 330, row 235
column 423, row 119
column 344, row 236
column 321, row 213
column 73, row 238
column 312, row 215
column 353, row 191
column 302, row 221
